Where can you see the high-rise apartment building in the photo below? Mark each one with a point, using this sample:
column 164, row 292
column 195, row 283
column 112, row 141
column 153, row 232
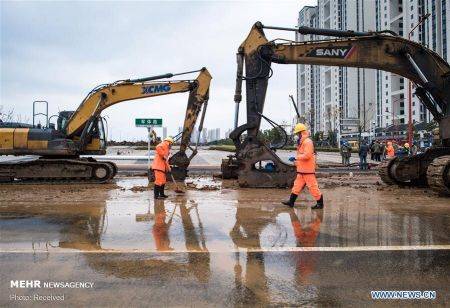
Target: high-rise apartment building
column 195, row 135
column 337, row 99
column 340, row 99
column 228, row 132
column 204, row 138
column 308, row 87
column 402, row 17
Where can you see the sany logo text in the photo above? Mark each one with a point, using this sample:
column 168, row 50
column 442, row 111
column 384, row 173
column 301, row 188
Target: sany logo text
column 344, row 52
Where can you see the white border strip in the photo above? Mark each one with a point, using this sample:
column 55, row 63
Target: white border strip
column 264, row 249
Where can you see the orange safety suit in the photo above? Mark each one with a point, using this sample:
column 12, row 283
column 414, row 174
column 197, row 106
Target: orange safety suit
column 306, row 168
column 160, row 163
column 305, row 238
column 390, row 152
column 161, row 228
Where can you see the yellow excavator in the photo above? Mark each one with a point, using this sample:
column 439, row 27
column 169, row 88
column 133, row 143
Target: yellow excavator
column 377, row 50
column 81, row 132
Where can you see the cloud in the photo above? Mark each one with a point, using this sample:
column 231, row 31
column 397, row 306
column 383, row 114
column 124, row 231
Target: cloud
column 59, row 51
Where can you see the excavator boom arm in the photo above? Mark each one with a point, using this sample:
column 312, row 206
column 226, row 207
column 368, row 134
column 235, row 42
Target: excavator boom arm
column 376, row 51
column 111, row 94
column 198, row 96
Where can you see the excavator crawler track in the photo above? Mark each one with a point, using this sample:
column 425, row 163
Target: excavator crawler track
column 57, row 171
column 438, row 175
column 384, row 174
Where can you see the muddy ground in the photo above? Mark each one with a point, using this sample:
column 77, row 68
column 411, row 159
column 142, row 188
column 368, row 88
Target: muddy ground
column 83, row 192
column 218, row 245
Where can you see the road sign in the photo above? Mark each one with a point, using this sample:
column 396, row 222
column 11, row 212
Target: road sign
column 148, row 122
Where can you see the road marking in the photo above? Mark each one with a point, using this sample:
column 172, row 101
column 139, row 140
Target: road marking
column 263, row 249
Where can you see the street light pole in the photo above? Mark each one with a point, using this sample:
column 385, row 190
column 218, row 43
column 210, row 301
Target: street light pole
column 421, row 20
column 392, row 113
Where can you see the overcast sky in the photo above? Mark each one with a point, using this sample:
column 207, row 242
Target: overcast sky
column 59, row 51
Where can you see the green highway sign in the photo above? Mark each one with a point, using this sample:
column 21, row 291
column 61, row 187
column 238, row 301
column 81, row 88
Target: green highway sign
column 148, row 122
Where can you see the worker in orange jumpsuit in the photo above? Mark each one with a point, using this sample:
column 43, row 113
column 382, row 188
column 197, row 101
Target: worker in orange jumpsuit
column 161, row 228
column 305, row 237
column 160, row 166
column 390, row 152
column 306, row 168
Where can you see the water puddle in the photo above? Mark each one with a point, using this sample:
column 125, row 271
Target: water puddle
column 211, row 218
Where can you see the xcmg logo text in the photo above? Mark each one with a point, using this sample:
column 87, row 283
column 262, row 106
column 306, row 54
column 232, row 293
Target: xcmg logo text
column 156, row 89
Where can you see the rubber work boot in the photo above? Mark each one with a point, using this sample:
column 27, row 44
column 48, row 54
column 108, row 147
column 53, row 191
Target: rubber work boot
column 157, row 191
column 291, row 201
column 319, row 204
column 161, row 191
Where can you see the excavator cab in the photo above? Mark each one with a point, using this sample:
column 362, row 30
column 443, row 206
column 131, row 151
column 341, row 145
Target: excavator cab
column 63, row 119
column 96, row 138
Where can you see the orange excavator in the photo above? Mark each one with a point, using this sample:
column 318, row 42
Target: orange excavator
column 377, row 50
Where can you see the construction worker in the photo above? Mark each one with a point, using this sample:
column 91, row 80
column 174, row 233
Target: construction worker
column 363, row 150
column 160, row 229
column 390, row 152
column 395, row 145
column 377, row 149
column 348, row 154
column 306, row 168
column 306, row 236
column 382, row 155
column 160, row 166
column 406, row 148
column 344, row 151
column 414, row 148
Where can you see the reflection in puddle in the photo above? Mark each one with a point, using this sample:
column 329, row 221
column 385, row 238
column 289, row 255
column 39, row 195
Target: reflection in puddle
column 223, row 220
column 216, row 237
column 203, row 183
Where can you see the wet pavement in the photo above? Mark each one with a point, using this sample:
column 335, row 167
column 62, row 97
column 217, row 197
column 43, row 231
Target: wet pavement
column 216, row 245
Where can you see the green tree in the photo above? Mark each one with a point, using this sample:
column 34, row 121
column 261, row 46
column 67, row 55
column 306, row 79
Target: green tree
column 317, row 136
column 273, row 135
column 429, row 129
column 415, row 133
column 226, row 141
column 332, row 137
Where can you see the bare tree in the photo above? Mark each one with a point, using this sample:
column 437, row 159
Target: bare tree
column 6, row 115
column 306, row 118
column 328, row 117
column 332, row 115
column 22, row 120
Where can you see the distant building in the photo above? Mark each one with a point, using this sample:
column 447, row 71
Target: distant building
column 328, row 95
column 210, row 136
column 228, row 132
column 194, row 135
column 341, row 98
column 204, row 135
column 218, row 134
